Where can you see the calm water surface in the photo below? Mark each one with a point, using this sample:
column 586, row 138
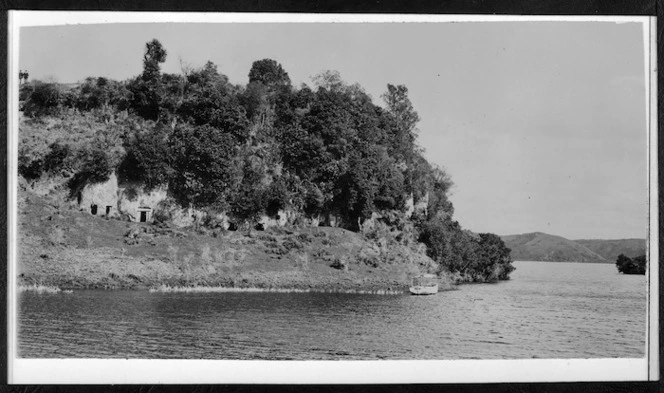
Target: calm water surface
column 547, row 310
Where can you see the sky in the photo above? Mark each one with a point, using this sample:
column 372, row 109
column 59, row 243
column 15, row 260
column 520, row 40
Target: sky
column 541, row 125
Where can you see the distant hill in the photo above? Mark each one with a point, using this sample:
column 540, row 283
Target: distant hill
column 610, row 249
column 538, row 246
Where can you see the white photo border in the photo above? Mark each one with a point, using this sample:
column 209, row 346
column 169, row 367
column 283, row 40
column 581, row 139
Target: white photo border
column 135, row 371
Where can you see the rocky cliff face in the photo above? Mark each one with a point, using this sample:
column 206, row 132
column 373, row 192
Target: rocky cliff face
column 130, row 199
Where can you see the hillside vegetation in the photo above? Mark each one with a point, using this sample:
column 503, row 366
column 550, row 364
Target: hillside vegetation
column 538, row 246
column 324, row 153
column 611, row 249
column 63, row 247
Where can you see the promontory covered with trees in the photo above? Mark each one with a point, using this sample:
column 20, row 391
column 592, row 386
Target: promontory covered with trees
column 356, row 200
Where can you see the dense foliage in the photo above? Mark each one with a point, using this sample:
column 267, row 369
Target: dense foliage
column 327, row 152
column 627, row 265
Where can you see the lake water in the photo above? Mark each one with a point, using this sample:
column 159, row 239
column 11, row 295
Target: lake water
column 547, row 310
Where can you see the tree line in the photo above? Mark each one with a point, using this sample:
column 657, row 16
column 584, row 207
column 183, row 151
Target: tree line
column 250, row 150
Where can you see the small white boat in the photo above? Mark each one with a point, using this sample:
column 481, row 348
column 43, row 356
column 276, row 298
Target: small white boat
column 426, row 284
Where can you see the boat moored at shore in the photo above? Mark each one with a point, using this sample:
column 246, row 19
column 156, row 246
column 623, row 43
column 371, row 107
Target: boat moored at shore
column 426, row 284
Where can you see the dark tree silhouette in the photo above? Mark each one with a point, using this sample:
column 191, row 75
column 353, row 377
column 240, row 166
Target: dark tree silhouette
column 154, row 55
column 269, row 73
column 627, row 265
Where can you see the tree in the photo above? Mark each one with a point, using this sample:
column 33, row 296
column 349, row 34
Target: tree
column 478, row 258
column 269, row 73
column 354, row 193
column 205, row 166
column 276, row 197
column 627, row 265
column 148, row 157
column 399, row 105
column 209, row 99
column 100, row 92
column 441, row 238
column 172, row 96
column 254, row 98
column 248, row 200
column 401, row 124
column 55, row 159
column 147, row 89
column 329, row 80
column 45, row 99
column 154, row 55
column 493, row 258
column 438, row 190
column 97, row 164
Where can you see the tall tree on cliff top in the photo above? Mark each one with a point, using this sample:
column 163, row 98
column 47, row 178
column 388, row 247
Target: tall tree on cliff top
column 268, row 91
column 399, row 105
column 210, row 100
column 154, row 55
column 147, row 88
column 268, row 72
column 404, row 120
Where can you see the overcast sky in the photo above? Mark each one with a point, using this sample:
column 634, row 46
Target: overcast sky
column 541, row 125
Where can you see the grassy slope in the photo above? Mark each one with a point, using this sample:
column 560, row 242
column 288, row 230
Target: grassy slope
column 539, row 246
column 61, row 246
column 610, row 249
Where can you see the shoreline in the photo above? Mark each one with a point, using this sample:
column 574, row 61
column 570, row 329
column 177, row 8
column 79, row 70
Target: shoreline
column 241, row 282
column 48, row 289
column 167, row 289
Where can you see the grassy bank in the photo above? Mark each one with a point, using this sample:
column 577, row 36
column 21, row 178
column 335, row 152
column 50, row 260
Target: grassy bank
column 62, row 247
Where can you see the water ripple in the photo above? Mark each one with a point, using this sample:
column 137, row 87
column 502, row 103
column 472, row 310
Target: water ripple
column 547, row 310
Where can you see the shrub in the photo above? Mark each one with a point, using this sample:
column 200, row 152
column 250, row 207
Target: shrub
column 44, row 100
column 305, row 238
column 291, row 244
column 267, row 238
column 97, row 168
column 56, row 236
column 276, row 198
column 371, row 261
column 30, row 168
column 627, row 265
column 212, row 221
column 340, row 263
column 56, row 157
column 132, row 236
column 319, row 233
column 100, row 92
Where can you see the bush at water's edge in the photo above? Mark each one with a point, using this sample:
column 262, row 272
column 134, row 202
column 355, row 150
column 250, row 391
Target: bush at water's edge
column 627, row 265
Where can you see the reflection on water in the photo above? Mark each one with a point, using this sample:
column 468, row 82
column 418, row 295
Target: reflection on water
column 547, row 310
